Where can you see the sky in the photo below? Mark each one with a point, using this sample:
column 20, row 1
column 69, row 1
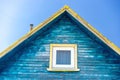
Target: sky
column 17, row 15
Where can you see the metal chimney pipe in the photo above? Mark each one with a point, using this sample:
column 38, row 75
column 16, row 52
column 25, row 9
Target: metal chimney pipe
column 31, row 27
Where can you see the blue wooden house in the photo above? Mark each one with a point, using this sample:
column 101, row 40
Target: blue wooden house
column 64, row 47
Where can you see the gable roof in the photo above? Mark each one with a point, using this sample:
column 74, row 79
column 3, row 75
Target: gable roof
column 73, row 14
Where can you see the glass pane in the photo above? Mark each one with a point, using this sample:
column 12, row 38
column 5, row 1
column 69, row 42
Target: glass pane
column 63, row 57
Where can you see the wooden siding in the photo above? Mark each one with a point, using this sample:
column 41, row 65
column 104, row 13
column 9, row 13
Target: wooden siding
column 95, row 60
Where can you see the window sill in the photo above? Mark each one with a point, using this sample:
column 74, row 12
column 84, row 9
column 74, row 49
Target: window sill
column 63, row 69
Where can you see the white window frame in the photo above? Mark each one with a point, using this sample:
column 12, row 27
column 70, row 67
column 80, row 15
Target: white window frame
column 68, row 67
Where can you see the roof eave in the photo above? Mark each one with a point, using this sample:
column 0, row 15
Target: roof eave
column 76, row 16
column 94, row 31
column 34, row 30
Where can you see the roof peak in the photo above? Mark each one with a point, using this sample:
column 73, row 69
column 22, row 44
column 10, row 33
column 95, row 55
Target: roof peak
column 66, row 7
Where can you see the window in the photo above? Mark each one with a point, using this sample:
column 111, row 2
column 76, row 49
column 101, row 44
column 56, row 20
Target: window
column 63, row 57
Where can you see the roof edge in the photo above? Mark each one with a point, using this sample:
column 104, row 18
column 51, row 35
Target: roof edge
column 16, row 43
column 76, row 16
column 94, row 31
